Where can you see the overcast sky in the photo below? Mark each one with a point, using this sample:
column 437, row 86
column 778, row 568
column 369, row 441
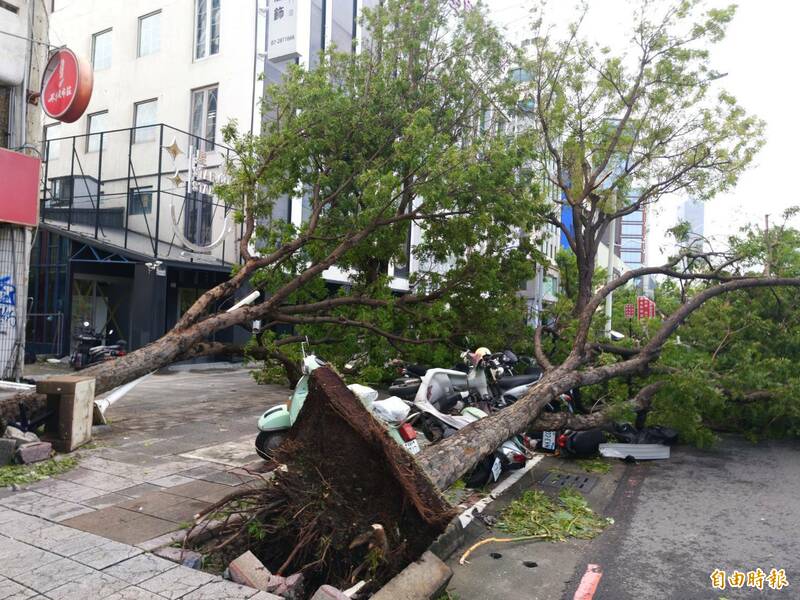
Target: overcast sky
column 760, row 55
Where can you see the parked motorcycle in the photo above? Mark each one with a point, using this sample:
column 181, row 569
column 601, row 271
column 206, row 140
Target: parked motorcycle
column 91, row 350
column 393, row 413
column 408, row 380
column 443, row 391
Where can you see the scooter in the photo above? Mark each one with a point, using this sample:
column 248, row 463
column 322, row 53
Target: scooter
column 393, row 413
column 90, row 348
column 444, row 390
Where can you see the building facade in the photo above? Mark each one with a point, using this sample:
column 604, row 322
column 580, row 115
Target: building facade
column 631, row 234
column 132, row 231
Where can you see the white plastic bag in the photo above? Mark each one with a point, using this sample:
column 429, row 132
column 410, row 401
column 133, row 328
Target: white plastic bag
column 391, row 410
column 364, row 393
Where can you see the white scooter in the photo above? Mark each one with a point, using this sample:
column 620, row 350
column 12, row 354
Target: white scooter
column 444, row 390
column 392, row 412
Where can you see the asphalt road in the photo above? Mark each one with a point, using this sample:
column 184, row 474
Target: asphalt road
column 735, row 507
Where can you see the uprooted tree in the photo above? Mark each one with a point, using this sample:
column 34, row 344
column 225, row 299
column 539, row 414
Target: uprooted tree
column 399, row 133
column 396, row 134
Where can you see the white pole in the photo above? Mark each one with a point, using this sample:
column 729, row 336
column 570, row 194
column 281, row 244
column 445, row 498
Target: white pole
column 612, row 238
column 249, row 299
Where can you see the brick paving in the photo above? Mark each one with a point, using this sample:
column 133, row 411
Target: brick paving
column 87, row 534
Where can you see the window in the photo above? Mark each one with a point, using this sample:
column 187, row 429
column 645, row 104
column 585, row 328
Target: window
column 631, row 243
column 204, row 117
column 206, row 28
column 343, row 25
column 96, row 123
column 51, row 149
column 140, row 200
column 634, row 217
column 149, row 34
column 632, row 229
column 519, row 75
column 101, row 50
column 198, row 216
column 145, row 113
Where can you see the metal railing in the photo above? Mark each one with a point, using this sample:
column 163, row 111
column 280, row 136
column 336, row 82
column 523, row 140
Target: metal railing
column 148, row 190
column 44, row 332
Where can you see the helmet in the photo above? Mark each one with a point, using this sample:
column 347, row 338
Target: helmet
column 482, row 351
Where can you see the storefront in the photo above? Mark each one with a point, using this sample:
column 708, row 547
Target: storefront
column 19, row 175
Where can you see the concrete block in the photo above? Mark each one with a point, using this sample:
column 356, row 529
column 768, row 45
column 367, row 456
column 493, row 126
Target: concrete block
column 71, row 398
column 19, row 436
column 7, row 449
column 424, row 579
column 193, row 560
column 33, row 452
column 248, row 570
column 275, row 581
column 327, row 592
column 291, row 588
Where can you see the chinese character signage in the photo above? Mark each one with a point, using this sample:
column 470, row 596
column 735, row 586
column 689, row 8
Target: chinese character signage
column 645, row 307
column 66, row 86
column 630, row 311
column 282, row 30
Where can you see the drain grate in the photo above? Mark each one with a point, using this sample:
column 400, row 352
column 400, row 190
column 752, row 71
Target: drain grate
column 583, row 483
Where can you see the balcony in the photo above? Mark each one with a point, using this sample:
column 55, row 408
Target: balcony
column 148, row 191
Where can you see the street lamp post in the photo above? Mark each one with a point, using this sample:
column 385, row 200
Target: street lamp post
column 612, row 238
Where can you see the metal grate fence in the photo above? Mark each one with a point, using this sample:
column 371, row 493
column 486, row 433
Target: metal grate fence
column 14, row 256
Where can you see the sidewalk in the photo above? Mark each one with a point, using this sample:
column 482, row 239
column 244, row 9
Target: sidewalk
column 178, row 442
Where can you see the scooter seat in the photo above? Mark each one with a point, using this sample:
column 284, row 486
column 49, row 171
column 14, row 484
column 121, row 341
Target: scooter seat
column 506, row 383
column 418, row 370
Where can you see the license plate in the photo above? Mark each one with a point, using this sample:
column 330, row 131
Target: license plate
column 412, row 446
column 496, row 469
column 549, row 440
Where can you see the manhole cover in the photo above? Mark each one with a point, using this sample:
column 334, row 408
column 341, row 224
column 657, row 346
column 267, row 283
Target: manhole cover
column 583, row 483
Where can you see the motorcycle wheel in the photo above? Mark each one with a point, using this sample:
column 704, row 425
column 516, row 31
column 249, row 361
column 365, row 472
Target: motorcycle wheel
column 433, row 431
column 267, row 442
column 481, row 474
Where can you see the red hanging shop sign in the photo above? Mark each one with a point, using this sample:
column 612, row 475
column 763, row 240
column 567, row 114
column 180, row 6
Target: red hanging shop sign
column 66, row 86
column 646, row 307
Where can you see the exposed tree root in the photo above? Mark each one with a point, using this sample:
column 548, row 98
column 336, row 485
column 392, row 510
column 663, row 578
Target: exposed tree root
column 351, row 504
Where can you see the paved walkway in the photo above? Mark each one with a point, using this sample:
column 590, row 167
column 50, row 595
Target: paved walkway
column 178, row 442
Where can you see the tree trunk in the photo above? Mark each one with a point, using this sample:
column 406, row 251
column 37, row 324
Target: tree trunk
column 111, row 374
column 449, row 459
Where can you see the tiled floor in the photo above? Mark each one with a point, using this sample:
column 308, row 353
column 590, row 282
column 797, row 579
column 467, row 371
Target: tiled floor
column 81, row 535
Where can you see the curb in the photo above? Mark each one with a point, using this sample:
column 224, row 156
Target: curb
column 467, row 525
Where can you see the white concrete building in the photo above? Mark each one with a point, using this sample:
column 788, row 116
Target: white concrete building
column 131, row 228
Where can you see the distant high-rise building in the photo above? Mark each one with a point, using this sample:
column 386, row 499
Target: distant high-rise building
column 693, row 212
column 632, row 238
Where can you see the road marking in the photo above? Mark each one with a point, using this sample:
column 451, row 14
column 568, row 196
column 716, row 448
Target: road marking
column 589, row 583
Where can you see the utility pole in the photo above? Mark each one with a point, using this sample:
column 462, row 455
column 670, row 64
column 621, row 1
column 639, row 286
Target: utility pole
column 612, row 238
